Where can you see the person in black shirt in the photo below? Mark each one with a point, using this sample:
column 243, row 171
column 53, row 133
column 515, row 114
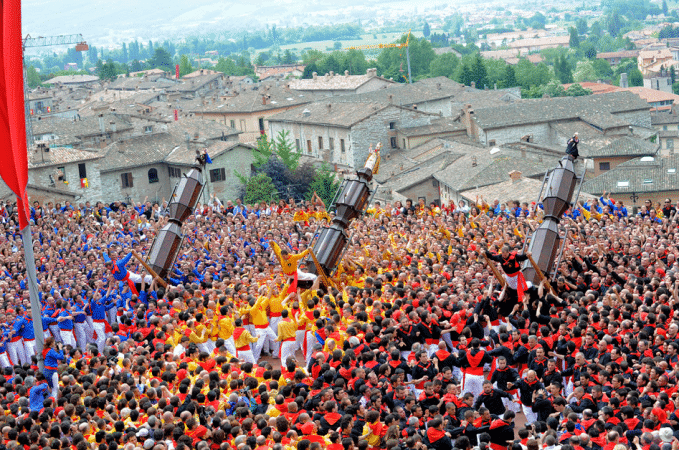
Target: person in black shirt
column 492, row 399
column 668, row 209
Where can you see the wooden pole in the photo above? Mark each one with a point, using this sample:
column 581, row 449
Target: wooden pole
column 541, row 275
column 149, row 270
column 321, row 272
column 493, row 268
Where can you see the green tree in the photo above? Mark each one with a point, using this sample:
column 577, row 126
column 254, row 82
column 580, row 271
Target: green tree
column 554, row 89
column 576, row 90
column 574, row 40
column 602, row 68
column 589, row 50
column 444, row 66
column 426, row 30
column 664, row 8
column 107, row 71
column 614, row 22
column 135, row 66
column 32, row 77
column 465, row 75
column 584, row 72
column 262, row 152
column 226, row 65
column 309, row 71
column 479, row 74
column 581, row 25
column 509, row 77
column 288, row 57
column 562, row 70
column 283, row 148
column 185, row 67
column 325, row 184
column 635, row 77
column 260, row 188
column 673, row 75
column 392, row 62
column 161, row 60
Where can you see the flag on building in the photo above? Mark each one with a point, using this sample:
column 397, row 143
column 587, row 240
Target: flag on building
column 84, row 183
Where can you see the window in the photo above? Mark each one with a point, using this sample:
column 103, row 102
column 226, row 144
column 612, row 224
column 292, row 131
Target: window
column 126, row 179
column 175, row 172
column 604, row 166
column 148, row 129
column 61, row 172
column 217, row 175
column 404, row 143
column 331, row 143
column 297, row 144
column 392, row 125
column 242, row 125
column 233, row 123
column 261, row 125
column 491, row 143
column 670, row 143
column 393, row 143
column 153, row 176
column 308, row 146
column 342, row 146
column 664, row 127
column 320, row 143
column 82, row 171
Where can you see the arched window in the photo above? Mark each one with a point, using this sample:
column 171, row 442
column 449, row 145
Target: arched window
column 153, row 176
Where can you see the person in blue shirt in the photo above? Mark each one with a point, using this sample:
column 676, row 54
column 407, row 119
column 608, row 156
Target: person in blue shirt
column 80, row 324
column 38, row 393
column 99, row 304
column 52, row 353
column 65, row 322
column 27, row 333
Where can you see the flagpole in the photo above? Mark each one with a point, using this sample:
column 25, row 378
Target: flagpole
column 36, row 309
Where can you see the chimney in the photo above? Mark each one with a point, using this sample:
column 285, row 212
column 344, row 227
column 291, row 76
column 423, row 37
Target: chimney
column 329, row 106
column 263, row 99
column 196, row 136
column 438, row 86
column 102, row 127
column 391, row 98
column 43, row 152
column 315, row 75
column 332, row 74
column 371, row 73
column 474, row 161
column 515, row 175
column 473, row 84
column 623, row 80
column 114, row 127
column 346, row 73
column 467, row 118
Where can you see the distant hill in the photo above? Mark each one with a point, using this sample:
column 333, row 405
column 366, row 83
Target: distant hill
column 105, row 22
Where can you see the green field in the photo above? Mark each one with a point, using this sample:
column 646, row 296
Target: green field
column 367, row 39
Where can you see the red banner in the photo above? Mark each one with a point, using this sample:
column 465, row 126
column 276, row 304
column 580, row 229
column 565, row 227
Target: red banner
column 176, row 71
column 176, row 115
column 14, row 154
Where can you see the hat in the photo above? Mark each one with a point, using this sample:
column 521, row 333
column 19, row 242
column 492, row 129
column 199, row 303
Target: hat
column 143, row 432
column 666, row 434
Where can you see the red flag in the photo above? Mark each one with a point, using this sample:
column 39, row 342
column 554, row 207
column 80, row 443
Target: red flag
column 176, row 71
column 14, row 170
column 176, row 115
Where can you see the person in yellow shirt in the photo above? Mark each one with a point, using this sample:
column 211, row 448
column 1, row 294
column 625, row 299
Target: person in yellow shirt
column 242, row 339
column 276, row 300
column 260, row 323
column 289, row 264
column 287, row 329
column 225, row 327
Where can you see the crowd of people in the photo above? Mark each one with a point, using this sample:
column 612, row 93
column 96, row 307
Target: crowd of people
column 415, row 345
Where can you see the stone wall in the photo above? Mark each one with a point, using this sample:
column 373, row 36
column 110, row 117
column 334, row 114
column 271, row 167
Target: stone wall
column 40, row 176
column 304, row 136
column 238, row 160
column 540, row 133
column 112, row 187
column 377, row 129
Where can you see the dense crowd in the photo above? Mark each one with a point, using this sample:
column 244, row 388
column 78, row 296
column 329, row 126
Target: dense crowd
column 415, row 345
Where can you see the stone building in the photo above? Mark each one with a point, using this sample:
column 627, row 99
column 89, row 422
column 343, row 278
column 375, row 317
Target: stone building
column 248, row 111
column 342, row 132
column 332, row 84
